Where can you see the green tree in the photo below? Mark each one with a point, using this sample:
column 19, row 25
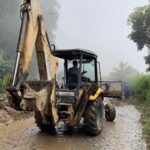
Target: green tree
column 123, row 72
column 140, row 34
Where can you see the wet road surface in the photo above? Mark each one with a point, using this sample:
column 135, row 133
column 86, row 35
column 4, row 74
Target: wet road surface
column 125, row 133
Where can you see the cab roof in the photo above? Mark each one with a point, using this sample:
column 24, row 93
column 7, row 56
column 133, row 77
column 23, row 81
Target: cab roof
column 74, row 54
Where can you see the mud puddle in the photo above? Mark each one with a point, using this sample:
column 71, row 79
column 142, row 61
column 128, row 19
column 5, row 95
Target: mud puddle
column 125, row 133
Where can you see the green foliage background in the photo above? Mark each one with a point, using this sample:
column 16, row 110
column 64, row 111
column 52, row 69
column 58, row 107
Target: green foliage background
column 6, row 68
column 140, row 86
column 140, row 34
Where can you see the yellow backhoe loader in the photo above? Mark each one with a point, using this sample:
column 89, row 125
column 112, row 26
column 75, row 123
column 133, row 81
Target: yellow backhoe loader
column 79, row 96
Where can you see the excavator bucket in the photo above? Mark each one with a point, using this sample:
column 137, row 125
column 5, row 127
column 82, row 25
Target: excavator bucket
column 36, row 95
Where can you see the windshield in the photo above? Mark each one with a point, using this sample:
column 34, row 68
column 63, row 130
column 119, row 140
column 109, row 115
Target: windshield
column 88, row 70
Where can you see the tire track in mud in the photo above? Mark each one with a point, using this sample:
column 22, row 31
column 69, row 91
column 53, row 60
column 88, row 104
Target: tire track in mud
column 125, row 133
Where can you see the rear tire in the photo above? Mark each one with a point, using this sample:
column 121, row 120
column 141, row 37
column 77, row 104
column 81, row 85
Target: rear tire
column 110, row 112
column 49, row 127
column 93, row 117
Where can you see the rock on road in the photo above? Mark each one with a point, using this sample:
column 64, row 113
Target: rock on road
column 125, row 133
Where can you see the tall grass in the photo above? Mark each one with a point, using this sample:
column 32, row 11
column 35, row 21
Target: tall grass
column 4, row 82
column 6, row 67
column 140, row 90
column 140, row 87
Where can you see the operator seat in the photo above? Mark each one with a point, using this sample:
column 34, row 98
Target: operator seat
column 72, row 81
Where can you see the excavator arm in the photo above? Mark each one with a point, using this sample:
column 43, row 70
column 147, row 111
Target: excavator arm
column 32, row 36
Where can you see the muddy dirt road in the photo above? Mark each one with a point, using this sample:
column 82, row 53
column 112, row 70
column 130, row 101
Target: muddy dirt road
column 124, row 134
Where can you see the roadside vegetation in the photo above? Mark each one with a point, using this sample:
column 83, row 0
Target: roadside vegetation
column 6, row 67
column 139, row 21
column 140, row 86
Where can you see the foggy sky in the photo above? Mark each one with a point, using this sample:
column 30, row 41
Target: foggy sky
column 101, row 26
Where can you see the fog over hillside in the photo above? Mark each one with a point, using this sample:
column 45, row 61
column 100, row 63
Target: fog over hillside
column 100, row 26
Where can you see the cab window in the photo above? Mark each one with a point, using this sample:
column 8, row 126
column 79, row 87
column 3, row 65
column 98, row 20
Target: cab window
column 88, row 70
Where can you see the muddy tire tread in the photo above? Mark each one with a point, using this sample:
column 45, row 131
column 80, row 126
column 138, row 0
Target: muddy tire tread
column 90, row 118
column 110, row 112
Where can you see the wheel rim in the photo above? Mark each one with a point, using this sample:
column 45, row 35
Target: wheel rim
column 107, row 112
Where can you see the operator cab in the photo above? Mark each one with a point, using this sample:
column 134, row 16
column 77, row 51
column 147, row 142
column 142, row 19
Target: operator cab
column 71, row 83
column 86, row 69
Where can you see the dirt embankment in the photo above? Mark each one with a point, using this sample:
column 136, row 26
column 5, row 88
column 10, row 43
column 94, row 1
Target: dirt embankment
column 8, row 115
column 19, row 132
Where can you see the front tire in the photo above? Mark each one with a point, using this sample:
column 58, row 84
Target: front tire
column 93, row 117
column 110, row 112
